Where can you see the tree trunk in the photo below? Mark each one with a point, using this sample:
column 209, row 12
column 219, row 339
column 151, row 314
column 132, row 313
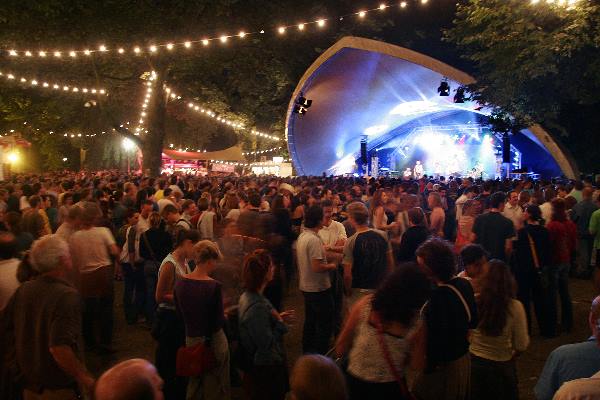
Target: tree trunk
column 153, row 140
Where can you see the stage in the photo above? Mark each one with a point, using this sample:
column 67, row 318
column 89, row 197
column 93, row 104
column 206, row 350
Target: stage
column 384, row 98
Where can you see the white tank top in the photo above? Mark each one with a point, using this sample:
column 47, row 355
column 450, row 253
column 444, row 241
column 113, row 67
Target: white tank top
column 366, row 359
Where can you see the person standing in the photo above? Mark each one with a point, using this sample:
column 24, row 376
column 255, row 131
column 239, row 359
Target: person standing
column 531, row 268
column 499, row 338
column 594, row 229
column 168, row 329
column 367, row 255
column 563, row 241
column 9, row 265
column 513, row 211
column 377, row 335
column 261, row 332
column 413, row 237
column 448, row 316
column 493, row 230
column 93, row 249
column 134, row 292
column 581, row 215
column 199, row 300
column 437, row 218
column 315, row 284
column 43, row 320
column 333, row 235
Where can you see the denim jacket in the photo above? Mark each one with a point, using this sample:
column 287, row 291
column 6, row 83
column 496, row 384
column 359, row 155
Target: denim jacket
column 260, row 332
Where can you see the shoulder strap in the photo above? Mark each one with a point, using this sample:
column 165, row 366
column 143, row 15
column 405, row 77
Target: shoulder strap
column 534, row 255
column 186, row 221
column 147, row 243
column 462, row 299
column 388, row 359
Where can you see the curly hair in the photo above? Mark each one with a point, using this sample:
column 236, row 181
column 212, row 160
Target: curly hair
column 498, row 288
column 438, row 256
column 402, row 294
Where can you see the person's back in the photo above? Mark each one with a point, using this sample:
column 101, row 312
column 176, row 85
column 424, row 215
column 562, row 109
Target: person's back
column 412, row 238
column 135, row 379
column 369, row 258
column 200, row 303
column 40, row 306
column 492, row 229
column 566, row 363
column 8, row 268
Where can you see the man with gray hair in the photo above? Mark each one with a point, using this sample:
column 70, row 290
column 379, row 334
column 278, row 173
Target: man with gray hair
column 43, row 321
column 135, row 379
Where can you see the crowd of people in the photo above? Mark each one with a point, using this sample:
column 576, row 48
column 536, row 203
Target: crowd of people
column 425, row 289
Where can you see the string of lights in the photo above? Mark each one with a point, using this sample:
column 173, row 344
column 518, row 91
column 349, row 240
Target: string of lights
column 151, row 78
column 261, row 151
column 239, row 164
column 211, row 114
column 154, row 49
column 37, row 83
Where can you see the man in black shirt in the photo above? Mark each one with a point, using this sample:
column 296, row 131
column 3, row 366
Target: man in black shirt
column 414, row 236
column 494, row 231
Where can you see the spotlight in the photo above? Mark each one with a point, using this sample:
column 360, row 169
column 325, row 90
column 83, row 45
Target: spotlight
column 459, row 97
column 302, row 105
column 444, row 88
column 304, row 102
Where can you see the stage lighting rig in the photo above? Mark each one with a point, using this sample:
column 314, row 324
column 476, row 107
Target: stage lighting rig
column 459, row 97
column 302, row 105
column 444, row 88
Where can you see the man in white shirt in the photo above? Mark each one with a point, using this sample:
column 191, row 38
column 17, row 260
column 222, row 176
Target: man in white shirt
column 143, row 224
column 333, row 235
column 549, row 195
column 468, row 194
column 315, row 284
column 513, row 211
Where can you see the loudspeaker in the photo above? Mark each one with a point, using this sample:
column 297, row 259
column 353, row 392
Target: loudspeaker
column 506, row 149
column 363, row 151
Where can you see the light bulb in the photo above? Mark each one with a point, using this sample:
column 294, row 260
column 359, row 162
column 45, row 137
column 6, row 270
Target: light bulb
column 242, row 34
column 42, row 54
column 281, row 29
column 403, row 4
column 321, row 22
column 137, row 50
column 12, row 53
column 72, row 54
column 102, row 48
column 382, row 6
column 121, row 50
column 28, row 54
column 362, row 14
column 87, row 52
column 187, row 45
column 301, row 27
column 57, row 54
column 170, row 46
column 223, row 39
column 205, row 42
column 153, row 49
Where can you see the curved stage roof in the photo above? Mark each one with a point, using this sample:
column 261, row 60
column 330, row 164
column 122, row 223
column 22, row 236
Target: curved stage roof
column 364, row 87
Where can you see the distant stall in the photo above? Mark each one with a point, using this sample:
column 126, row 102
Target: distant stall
column 199, row 163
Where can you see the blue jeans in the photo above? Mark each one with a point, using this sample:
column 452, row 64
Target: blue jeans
column 558, row 287
column 134, row 293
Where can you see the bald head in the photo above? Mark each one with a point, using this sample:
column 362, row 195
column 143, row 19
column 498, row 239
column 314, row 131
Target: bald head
column 316, row 377
column 135, row 379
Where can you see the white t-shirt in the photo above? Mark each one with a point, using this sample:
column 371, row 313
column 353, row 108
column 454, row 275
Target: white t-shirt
column 90, row 248
column 176, row 188
column 308, row 248
column 23, row 203
column 332, row 233
column 65, row 231
column 233, row 214
column 8, row 280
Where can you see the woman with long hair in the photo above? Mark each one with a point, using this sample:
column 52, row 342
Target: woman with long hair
column 437, row 218
column 379, row 218
column 199, row 300
column 465, row 225
column 378, row 335
column 563, row 240
column 261, row 332
column 500, row 336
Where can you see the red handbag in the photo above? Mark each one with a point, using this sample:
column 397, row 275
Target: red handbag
column 195, row 361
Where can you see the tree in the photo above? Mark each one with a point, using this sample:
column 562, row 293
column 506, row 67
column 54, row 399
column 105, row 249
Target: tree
column 539, row 62
column 248, row 81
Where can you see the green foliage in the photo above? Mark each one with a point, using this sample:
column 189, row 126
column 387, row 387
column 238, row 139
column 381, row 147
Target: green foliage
column 531, row 59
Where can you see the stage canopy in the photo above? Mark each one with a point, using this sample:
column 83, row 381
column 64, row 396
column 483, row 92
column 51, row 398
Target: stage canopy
column 387, row 96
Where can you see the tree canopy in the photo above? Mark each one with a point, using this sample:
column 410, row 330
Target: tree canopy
column 540, row 62
column 247, row 81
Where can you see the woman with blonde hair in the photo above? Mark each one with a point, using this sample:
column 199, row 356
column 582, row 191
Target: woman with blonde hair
column 465, row 225
column 199, row 300
column 437, row 218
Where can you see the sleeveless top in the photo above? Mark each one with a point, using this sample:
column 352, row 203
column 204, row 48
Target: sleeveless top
column 180, row 270
column 366, row 359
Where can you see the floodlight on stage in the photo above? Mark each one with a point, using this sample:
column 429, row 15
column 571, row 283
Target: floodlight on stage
column 444, row 88
column 298, row 109
column 304, row 102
